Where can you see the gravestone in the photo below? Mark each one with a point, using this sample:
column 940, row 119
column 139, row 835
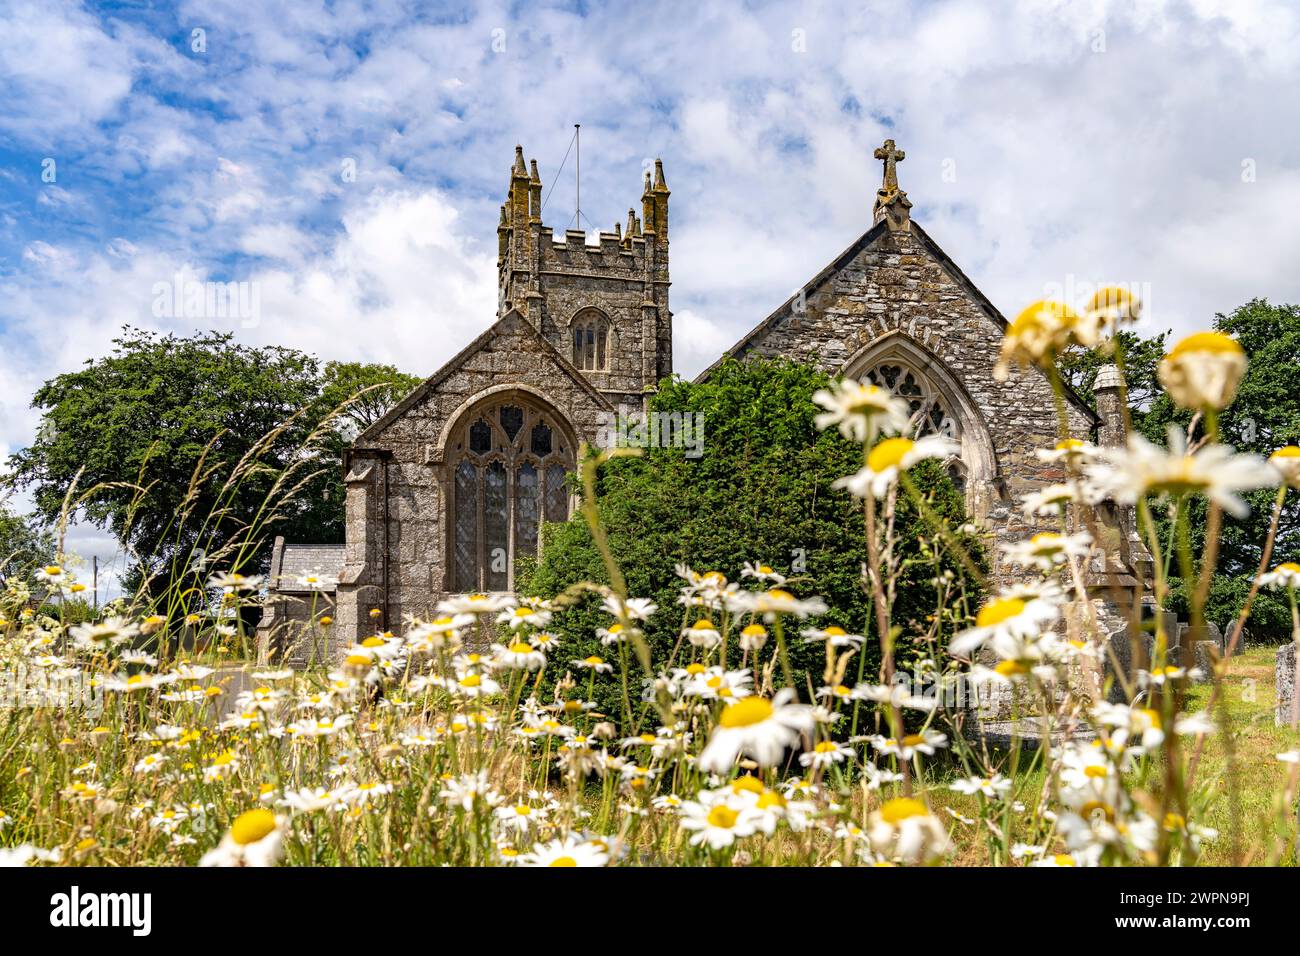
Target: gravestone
column 1207, row 654
column 1284, row 675
column 1120, row 659
column 1193, row 648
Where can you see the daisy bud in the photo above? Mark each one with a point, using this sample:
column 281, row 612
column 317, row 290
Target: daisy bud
column 1202, row 371
column 1287, row 462
column 1037, row 335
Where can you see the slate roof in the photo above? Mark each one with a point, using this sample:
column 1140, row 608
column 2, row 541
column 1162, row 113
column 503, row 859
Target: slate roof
column 296, row 560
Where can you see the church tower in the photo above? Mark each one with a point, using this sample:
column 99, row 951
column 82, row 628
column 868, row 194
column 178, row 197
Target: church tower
column 603, row 305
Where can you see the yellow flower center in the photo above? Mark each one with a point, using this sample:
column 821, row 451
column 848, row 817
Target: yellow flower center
column 695, row 669
column 1288, row 567
column 523, row 810
column 1010, row 668
column 471, row 680
column 826, row 747
column 593, row 660
column 358, row 660
column 748, row 784
column 1092, row 806
column 746, row 712
column 563, row 861
column 703, row 625
column 902, row 808
column 723, row 816
column 1096, row 770
column 995, row 612
column 1042, row 315
column 1063, row 859
column 755, row 630
column 1212, row 342
column 373, row 642
column 889, row 454
column 912, row 740
column 251, row 826
column 520, row 648
column 870, row 399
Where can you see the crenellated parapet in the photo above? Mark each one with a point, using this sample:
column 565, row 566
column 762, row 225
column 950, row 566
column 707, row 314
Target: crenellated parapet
column 558, row 280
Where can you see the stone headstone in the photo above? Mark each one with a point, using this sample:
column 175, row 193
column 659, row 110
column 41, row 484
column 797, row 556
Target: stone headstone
column 1207, row 653
column 1120, row 658
column 1285, row 677
column 1190, row 652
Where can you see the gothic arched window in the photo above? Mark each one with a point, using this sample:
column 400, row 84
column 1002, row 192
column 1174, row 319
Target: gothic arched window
column 508, row 463
column 930, row 413
column 590, row 331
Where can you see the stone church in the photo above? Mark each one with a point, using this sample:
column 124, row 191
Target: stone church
column 450, row 488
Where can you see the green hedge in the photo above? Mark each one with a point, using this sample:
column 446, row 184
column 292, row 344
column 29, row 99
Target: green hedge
column 760, row 492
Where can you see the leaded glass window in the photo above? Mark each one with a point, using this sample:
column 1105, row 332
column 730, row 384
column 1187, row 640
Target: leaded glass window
column 591, row 341
column 510, row 466
column 930, row 413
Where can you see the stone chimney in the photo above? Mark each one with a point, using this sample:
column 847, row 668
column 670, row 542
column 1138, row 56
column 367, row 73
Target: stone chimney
column 1109, row 392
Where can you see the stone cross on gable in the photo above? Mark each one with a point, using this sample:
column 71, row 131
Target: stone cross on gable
column 892, row 158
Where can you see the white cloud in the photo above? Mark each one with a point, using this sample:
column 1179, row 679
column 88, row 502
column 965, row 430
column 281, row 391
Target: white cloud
column 1087, row 141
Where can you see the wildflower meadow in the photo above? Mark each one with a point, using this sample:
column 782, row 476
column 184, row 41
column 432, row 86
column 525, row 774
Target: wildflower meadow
column 159, row 730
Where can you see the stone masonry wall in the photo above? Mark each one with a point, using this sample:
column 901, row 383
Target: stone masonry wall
column 417, row 538
column 610, row 277
column 896, row 283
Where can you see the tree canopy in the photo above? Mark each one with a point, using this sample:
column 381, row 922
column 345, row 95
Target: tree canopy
column 176, row 443
column 760, row 492
column 1264, row 417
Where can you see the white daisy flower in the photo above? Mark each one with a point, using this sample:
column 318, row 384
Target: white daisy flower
column 1285, row 575
column 825, row 754
column 255, row 838
column 861, row 410
column 567, row 850
column 1203, row 370
column 758, row 728
column 1214, row 471
column 1009, row 622
column 718, row 824
column 888, row 459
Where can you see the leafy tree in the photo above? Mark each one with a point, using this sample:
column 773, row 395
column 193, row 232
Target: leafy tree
column 183, row 443
column 1264, row 417
column 1140, row 356
column 760, row 492
column 24, row 544
column 369, row 391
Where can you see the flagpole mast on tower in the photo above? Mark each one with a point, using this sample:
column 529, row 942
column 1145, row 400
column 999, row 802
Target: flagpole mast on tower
column 577, row 142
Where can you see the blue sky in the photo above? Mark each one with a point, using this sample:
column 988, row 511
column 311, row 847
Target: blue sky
column 1049, row 146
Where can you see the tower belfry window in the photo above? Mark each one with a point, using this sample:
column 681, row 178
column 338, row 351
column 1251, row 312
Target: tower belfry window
column 590, row 332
